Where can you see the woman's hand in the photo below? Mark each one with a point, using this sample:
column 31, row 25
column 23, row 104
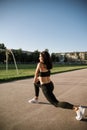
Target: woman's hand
column 36, row 79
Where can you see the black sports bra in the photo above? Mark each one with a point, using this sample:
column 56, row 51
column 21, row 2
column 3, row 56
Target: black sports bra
column 44, row 74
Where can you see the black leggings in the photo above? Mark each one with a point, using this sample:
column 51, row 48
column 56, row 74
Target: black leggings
column 47, row 90
column 36, row 87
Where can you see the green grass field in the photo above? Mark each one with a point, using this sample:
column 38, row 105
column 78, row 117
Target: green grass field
column 27, row 71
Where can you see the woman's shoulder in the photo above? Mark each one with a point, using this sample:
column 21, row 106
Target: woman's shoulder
column 41, row 65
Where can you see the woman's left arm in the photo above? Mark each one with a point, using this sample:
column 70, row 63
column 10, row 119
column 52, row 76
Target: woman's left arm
column 37, row 73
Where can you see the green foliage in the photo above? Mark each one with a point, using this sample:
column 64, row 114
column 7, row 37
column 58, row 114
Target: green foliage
column 2, row 46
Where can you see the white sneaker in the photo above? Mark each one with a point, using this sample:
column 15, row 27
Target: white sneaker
column 82, row 110
column 78, row 118
column 79, row 114
column 33, row 100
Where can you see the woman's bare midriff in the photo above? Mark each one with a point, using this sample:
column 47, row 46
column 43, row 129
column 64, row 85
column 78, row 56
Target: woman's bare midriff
column 44, row 80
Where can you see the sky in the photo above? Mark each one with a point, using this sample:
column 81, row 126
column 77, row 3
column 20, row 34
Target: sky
column 56, row 25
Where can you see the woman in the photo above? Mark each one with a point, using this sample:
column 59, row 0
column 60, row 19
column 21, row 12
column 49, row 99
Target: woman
column 42, row 79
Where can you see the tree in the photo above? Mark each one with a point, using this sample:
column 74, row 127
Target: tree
column 2, row 46
column 53, row 57
column 2, row 52
column 35, row 56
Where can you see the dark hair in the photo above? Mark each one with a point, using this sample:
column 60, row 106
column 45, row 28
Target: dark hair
column 47, row 59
